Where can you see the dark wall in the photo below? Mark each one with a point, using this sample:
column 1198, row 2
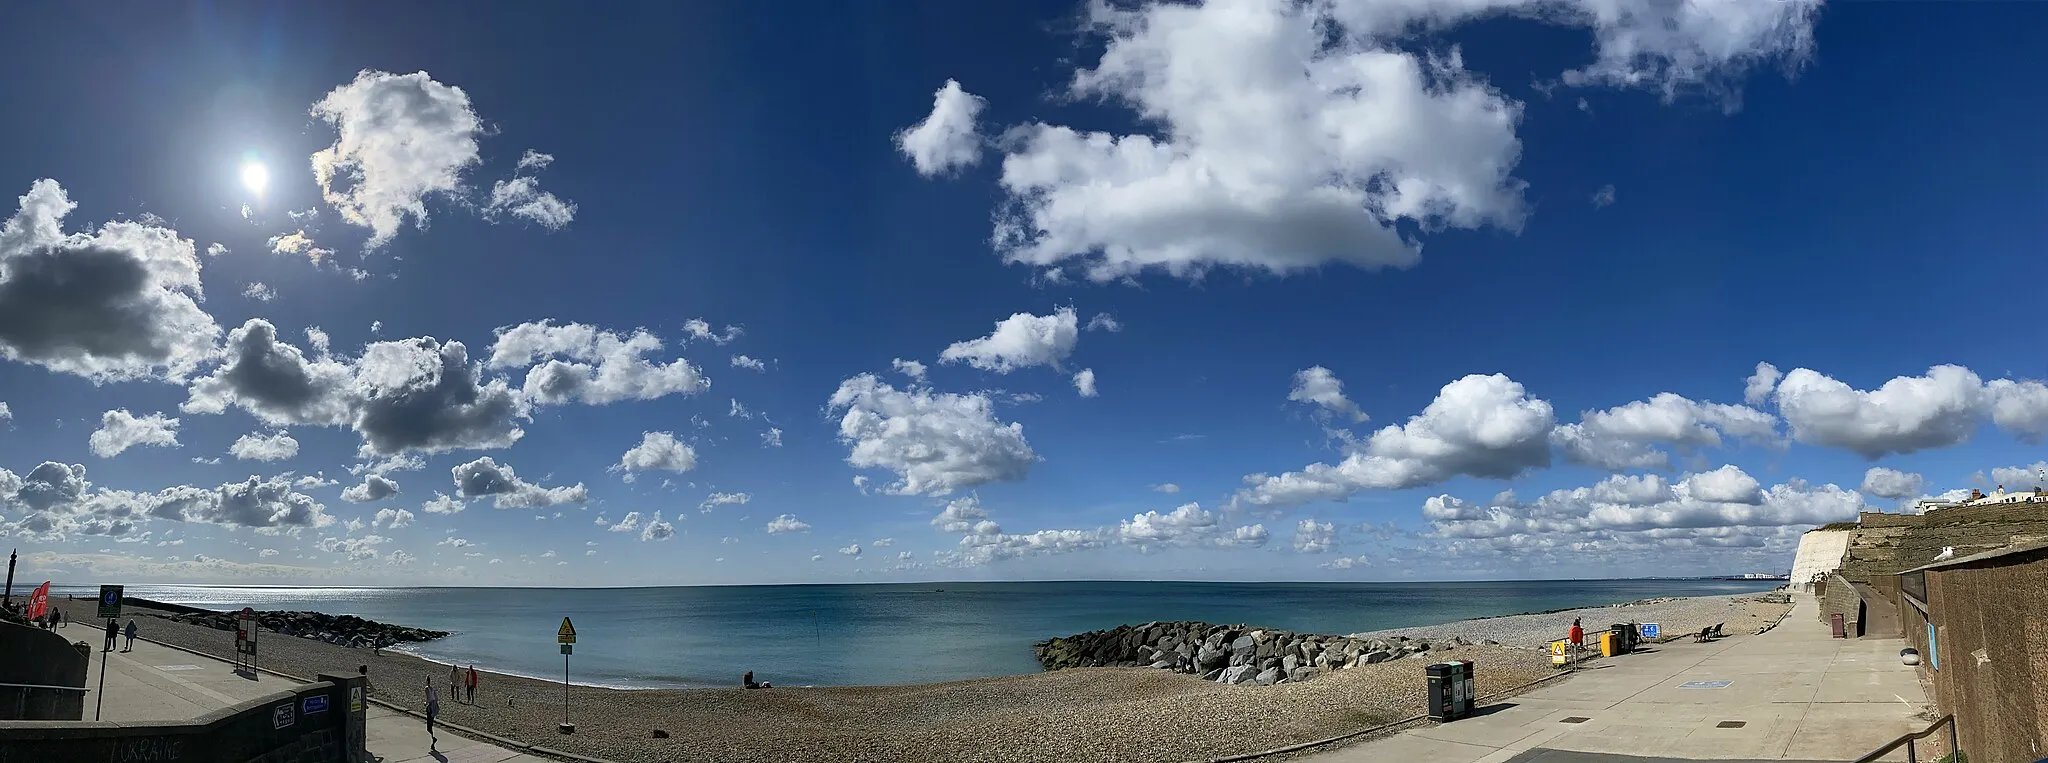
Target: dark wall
column 1989, row 663
column 251, row 732
column 42, row 658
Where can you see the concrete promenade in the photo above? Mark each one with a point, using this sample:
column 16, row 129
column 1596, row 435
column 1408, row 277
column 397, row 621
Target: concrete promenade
column 1792, row 693
column 158, row 683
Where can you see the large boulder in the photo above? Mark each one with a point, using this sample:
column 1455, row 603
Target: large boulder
column 1237, row 674
column 1211, row 657
column 1267, row 677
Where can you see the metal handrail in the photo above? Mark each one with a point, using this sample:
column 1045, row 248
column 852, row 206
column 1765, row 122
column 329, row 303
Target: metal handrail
column 41, row 686
column 1913, row 755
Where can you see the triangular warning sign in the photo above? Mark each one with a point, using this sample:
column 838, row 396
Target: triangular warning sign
column 567, row 629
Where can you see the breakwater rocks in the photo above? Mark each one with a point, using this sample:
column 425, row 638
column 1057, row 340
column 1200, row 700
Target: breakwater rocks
column 344, row 630
column 1232, row 654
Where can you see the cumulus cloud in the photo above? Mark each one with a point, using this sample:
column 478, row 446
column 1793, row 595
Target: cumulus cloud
column 118, row 304
column 787, row 523
column 486, row 477
column 1166, row 487
column 1907, row 414
column 910, row 368
column 1724, row 498
column 443, row 503
column 1628, row 436
column 1187, row 525
column 1312, row 537
column 626, row 524
column 1104, row 322
column 657, row 451
column 1288, row 136
column 771, row 438
column 751, row 364
column 1084, row 382
column 297, row 243
column 402, row 138
column 1320, row 387
column 275, row 381
column 1892, row 483
column 120, row 430
column 982, row 548
column 723, row 499
column 1478, row 426
column 423, row 395
column 700, row 329
column 259, row 447
column 522, row 197
column 581, row 362
column 255, row 502
column 2012, row 477
column 657, row 529
column 375, row 487
column 6, row 414
column 392, row 518
column 946, row 140
column 259, row 291
column 853, row 550
column 962, row 515
column 935, row 443
column 1022, row 340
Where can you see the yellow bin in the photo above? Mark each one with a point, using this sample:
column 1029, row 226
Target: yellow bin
column 1610, row 644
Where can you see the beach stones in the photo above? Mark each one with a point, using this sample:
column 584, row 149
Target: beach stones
column 1238, row 674
column 1268, row 677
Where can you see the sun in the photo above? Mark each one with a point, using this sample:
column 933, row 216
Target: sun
column 255, row 177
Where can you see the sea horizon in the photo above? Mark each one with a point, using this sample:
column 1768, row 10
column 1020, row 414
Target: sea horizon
column 869, row 634
column 77, row 588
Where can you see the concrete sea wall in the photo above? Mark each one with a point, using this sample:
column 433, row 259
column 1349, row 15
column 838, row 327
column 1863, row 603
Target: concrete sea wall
column 1820, row 554
column 37, row 657
column 323, row 722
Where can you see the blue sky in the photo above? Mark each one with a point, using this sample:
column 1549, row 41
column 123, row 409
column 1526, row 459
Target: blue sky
column 1338, row 273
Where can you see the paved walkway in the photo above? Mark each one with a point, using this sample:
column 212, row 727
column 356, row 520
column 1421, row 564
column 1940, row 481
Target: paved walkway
column 158, row 683
column 1790, row 694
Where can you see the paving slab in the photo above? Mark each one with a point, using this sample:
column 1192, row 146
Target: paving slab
column 1791, row 694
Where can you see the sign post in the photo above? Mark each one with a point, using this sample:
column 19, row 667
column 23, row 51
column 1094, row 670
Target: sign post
column 110, row 610
column 245, row 640
column 566, row 636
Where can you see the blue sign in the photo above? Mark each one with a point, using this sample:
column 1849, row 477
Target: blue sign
column 1933, row 653
column 316, row 704
column 1650, row 630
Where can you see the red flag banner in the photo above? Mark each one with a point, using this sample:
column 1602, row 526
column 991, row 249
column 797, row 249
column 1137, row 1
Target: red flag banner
column 39, row 602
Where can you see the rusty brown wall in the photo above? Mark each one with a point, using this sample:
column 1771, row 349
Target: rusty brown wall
column 1991, row 629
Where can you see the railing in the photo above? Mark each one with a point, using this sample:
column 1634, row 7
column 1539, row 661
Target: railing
column 21, row 694
column 1912, row 754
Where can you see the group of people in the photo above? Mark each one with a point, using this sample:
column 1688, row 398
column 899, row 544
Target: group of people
column 114, row 632
column 52, row 619
column 456, row 678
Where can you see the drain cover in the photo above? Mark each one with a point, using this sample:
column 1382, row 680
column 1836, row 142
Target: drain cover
column 1731, row 724
column 1575, row 719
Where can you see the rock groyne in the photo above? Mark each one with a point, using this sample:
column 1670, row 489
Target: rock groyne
column 343, row 630
column 1231, row 654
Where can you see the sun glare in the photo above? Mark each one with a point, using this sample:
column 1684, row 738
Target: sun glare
column 255, row 177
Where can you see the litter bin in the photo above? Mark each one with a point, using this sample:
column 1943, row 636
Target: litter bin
column 1451, row 690
column 1624, row 638
column 1610, row 644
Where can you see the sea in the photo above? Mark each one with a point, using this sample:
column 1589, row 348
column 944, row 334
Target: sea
column 846, row 635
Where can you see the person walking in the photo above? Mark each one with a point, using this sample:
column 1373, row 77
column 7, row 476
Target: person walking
column 59, row 615
column 455, row 681
column 113, row 632
column 433, row 712
column 1577, row 635
column 131, row 635
column 471, row 685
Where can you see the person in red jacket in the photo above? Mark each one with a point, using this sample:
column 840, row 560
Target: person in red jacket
column 1577, row 636
column 471, row 684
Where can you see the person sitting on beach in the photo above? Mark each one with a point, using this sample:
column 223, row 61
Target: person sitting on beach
column 747, row 681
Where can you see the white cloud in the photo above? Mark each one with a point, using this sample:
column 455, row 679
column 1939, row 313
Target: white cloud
column 423, row 395
column 257, row 503
column 486, row 477
column 120, row 430
column 751, row 364
column 983, row 548
column 299, row 244
column 1478, row 426
column 1187, row 525
column 1318, row 386
column 523, row 198
column 1022, row 340
column 1104, row 322
column 883, row 542
column 535, row 160
column 657, row 529
column 1312, row 537
column 216, row 249
column 1907, row 414
column 946, row 140
column 392, row 518
column 628, row 523
column 961, row 515
column 2010, row 477
column 6, row 413
column 356, row 549
column 657, row 451
column 454, row 542
column 787, row 523
column 601, row 367
column 275, row 381
column 402, row 139
column 723, row 499
column 259, row 291
column 1166, row 487
column 1727, row 484
column 443, row 504
column 698, row 328
column 266, row 553
column 1627, row 436
column 258, row 447
column 118, row 304
column 1724, row 498
column 1604, row 197
column 375, row 487
column 905, row 556
column 853, row 550
column 934, row 442
column 910, row 368
column 1757, row 389
column 1892, row 483
column 1084, row 382
column 1345, row 563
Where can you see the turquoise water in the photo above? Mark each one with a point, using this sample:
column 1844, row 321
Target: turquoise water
column 838, row 635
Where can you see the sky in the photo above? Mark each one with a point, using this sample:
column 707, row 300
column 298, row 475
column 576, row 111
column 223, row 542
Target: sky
column 710, row 293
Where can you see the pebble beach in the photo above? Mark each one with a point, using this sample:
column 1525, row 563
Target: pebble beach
column 1140, row 715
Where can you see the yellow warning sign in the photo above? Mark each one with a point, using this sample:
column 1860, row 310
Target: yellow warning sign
column 567, row 633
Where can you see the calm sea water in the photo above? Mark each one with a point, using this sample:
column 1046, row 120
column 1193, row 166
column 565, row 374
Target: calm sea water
column 836, row 635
